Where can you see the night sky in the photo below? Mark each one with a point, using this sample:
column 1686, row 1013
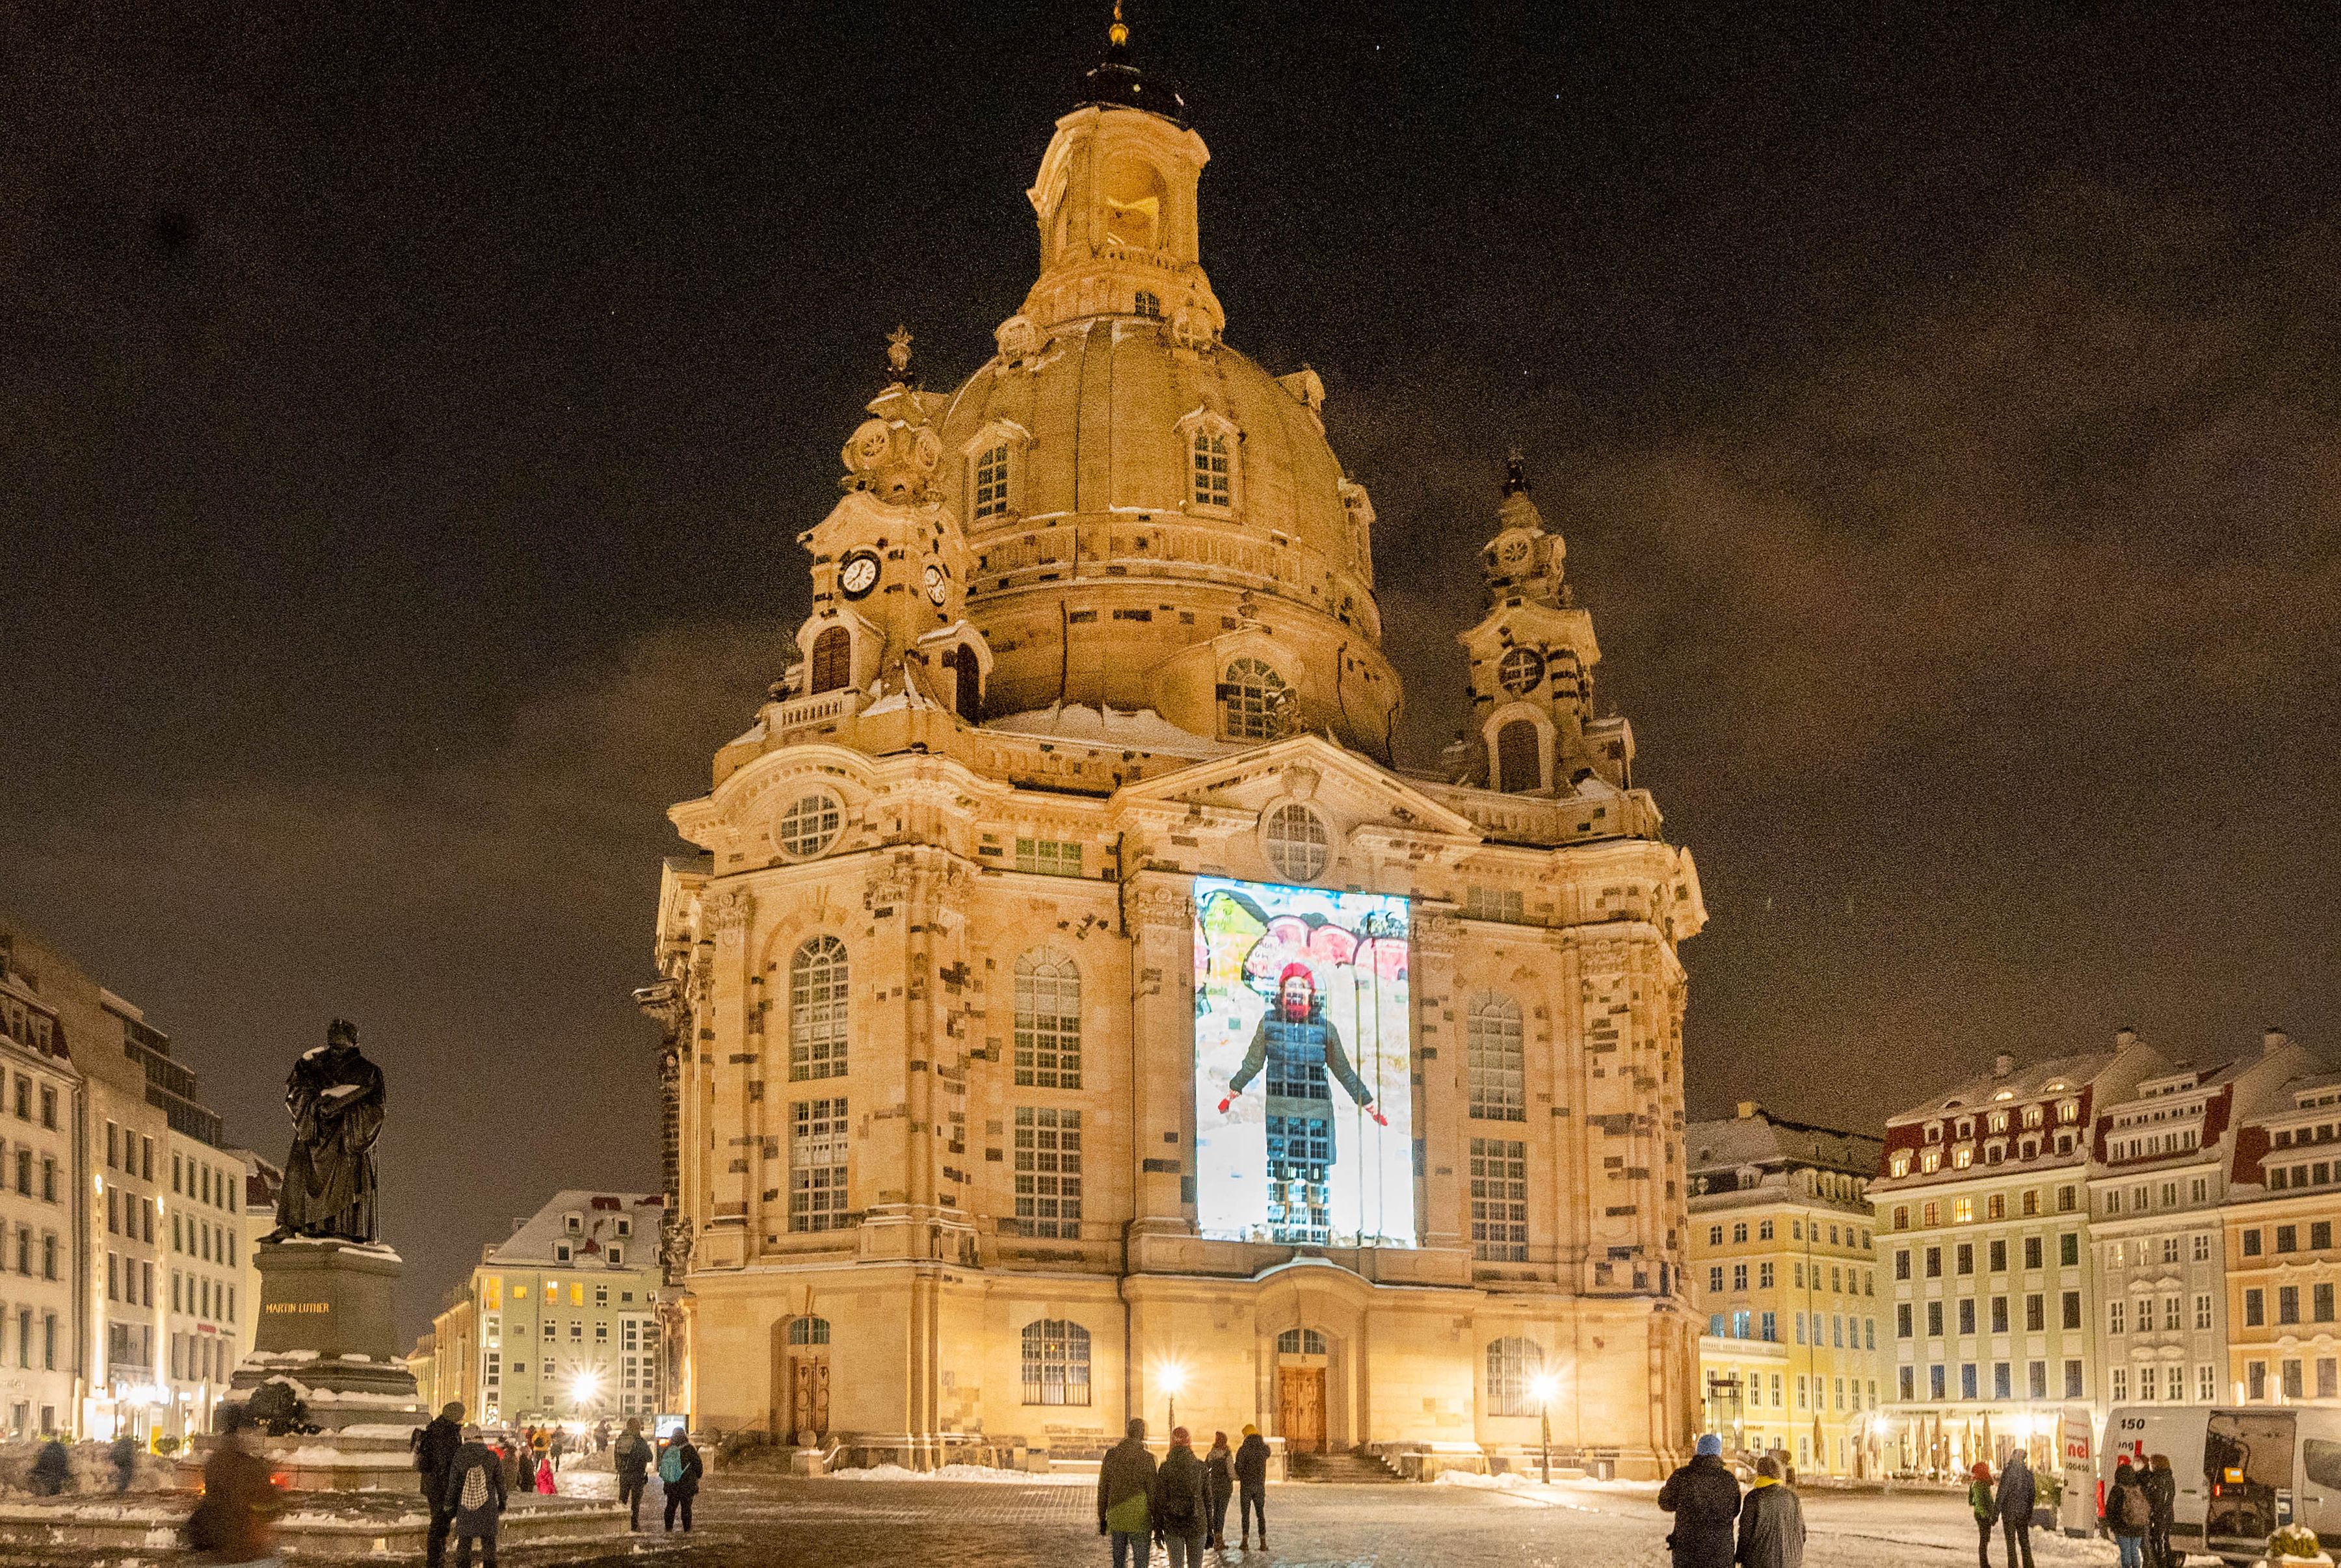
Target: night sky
column 406, row 414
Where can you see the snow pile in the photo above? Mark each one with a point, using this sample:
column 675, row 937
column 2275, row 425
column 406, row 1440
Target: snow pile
column 92, row 1468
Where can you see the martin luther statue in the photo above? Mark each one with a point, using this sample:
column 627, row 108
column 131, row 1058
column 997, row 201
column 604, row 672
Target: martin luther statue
column 335, row 1098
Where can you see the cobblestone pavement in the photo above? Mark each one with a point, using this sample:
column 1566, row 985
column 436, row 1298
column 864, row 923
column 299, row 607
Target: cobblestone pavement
column 758, row 1522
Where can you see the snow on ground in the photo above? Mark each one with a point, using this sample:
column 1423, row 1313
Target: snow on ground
column 961, row 1473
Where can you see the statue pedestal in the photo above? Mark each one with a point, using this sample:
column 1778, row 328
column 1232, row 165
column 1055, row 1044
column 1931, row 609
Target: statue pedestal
column 325, row 1357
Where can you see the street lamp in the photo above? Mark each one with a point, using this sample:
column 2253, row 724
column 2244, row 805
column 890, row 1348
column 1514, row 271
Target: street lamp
column 1542, row 1387
column 583, row 1388
column 1174, row 1381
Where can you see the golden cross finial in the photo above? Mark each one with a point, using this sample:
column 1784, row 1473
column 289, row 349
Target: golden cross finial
column 1119, row 33
column 898, row 350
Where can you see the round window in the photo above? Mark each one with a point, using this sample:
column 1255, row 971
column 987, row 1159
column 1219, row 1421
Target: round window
column 1298, row 846
column 1521, row 669
column 810, row 824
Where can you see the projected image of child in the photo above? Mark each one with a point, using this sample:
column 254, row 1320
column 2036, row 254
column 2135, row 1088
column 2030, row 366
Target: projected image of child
column 1299, row 1046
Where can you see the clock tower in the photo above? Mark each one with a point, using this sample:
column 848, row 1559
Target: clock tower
column 889, row 562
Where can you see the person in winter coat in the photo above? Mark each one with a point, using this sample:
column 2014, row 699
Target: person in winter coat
column 525, row 1458
column 1981, row 1504
column 434, row 1449
column 234, row 1521
column 544, row 1476
column 1771, row 1520
column 1705, row 1501
column 1125, row 1495
column 2017, row 1498
column 631, row 1460
column 2162, row 1497
column 1251, row 1484
column 53, row 1469
column 1183, row 1503
column 679, row 1469
column 475, row 1495
column 1219, row 1475
column 125, row 1455
column 2129, row 1515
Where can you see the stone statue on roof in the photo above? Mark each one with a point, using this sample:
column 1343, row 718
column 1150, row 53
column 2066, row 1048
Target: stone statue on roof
column 335, row 1098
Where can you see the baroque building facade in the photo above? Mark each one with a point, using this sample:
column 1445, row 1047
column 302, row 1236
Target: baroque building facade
column 1071, row 1009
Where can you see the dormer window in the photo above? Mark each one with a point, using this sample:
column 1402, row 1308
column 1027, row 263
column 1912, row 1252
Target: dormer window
column 560, row 1252
column 2029, row 1148
column 625, row 1225
column 2033, row 1116
column 2068, row 1112
column 1899, row 1166
column 1934, row 1132
column 1967, row 1126
column 575, row 1224
column 995, row 476
column 1931, row 1161
column 1212, row 469
column 991, row 489
column 1997, row 1122
column 1250, row 699
column 617, row 1257
column 1962, row 1157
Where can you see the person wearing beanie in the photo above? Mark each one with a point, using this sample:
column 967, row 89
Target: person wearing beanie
column 1183, row 1503
column 2014, row 1503
column 1705, row 1501
column 1771, row 1520
column 434, row 1450
column 1251, row 1486
column 1985, row 1509
column 1125, row 1495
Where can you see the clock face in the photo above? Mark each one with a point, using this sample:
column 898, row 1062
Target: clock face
column 938, row 583
column 859, row 575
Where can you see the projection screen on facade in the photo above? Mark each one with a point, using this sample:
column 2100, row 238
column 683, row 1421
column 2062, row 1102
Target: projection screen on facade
column 1303, row 1112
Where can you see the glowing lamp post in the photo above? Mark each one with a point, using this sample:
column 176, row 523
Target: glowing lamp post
column 1174, row 1382
column 1542, row 1387
column 582, row 1389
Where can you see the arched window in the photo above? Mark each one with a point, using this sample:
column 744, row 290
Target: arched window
column 991, row 487
column 1518, row 766
column 1494, row 1061
column 808, row 1331
column 817, row 981
column 1297, row 844
column 1249, row 696
column 1148, row 304
column 1514, row 1365
column 1213, row 481
column 1300, row 1341
column 1056, row 1362
column 832, row 662
column 967, row 690
column 1048, row 1021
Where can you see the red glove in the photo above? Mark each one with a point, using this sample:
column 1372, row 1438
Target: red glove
column 1377, row 1116
column 1226, row 1103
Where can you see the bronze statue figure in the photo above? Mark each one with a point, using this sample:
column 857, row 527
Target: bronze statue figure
column 335, row 1097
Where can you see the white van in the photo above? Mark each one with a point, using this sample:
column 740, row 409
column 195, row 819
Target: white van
column 2242, row 1470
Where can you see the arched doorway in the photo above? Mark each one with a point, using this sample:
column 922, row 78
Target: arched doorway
column 1301, row 1361
column 1515, row 757
column 967, row 698
column 801, row 1380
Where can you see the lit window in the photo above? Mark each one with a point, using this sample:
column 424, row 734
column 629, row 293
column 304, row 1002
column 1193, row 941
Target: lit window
column 1048, row 1021
column 817, row 1165
column 1056, row 1362
column 1211, row 470
column 810, row 824
column 1251, row 695
column 1495, row 1059
column 1049, row 1172
column 1300, row 1341
column 817, row 1008
column 1514, row 1366
column 991, row 482
column 1297, row 844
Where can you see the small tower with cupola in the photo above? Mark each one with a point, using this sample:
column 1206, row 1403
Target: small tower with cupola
column 1532, row 657
column 889, row 562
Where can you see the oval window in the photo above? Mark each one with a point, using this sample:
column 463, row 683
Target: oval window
column 810, row 824
column 1298, row 846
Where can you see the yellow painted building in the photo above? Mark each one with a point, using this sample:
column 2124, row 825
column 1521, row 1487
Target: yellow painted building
column 1785, row 1273
column 2283, row 1271
column 961, row 1160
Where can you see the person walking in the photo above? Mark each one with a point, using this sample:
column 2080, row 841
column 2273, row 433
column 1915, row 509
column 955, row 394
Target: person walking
column 1183, row 1503
column 1771, row 1520
column 235, row 1519
column 2018, row 1495
column 631, row 1460
column 2128, row 1514
column 1985, row 1509
column 1251, row 1486
column 1125, row 1495
column 434, row 1450
column 524, row 1454
column 53, row 1469
column 680, row 1469
column 2162, row 1498
column 125, row 1453
column 544, row 1482
column 1705, row 1501
column 1220, row 1476
column 476, row 1496
column 507, row 1451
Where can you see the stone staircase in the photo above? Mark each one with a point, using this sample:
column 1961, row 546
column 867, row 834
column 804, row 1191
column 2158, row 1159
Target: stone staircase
column 1353, row 1468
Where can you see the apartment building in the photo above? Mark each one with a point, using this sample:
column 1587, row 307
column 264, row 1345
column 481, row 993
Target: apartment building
column 2282, row 1198
column 40, row 1213
column 1784, row 1271
column 211, row 1298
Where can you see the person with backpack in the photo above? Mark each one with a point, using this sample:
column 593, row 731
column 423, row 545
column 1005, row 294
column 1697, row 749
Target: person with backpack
column 2018, row 1495
column 1251, row 1486
column 2161, row 1488
column 1125, row 1495
column 631, row 1460
column 2129, row 1515
column 1985, row 1509
column 234, row 1521
column 434, row 1450
column 1771, row 1520
column 1705, row 1501
column 475, row 1495
column 1219, row 1475
column 679, row 1469
column 1183, row 1503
